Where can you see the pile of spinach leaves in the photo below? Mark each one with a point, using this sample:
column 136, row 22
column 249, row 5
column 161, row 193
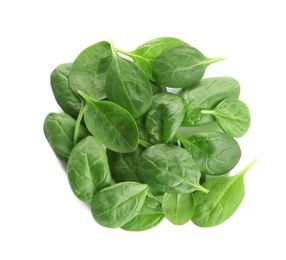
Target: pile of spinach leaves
column 144, row 136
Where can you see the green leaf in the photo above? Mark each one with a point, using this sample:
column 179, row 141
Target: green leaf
column 216, row 153
column 115, row 206
column 147, row 53
column 59, row 131
column 88, row 169
column 123, row 166
column 128, row 86
column 232, row 115
column 180, row 67
column 148, row 217
column 224, row 197
column 63, row 94
column 206, row 95
column 169, row 168
column 178, row 208
column 112, row 125
column 89, row 70
column 164, row 117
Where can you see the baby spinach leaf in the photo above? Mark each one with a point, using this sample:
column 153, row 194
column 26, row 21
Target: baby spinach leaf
column 112, row 125
column 180, row 67
column 89, row 70
column 148, row 217
column 178, row 208
column 232, row 115
column 215, row 153
column 64, row 96
column 148, row 52
column 88, row 169
column 164, row 117
column 115, row 206
column 59, row 130
column 128, row 86
column 123, row 166
column 169, row 168
column 224, row 197
column 156, row 88
column 206, row 95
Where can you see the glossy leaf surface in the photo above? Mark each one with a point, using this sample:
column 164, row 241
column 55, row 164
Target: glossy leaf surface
column 115, row 206
column 232, row 115
column 164, row 117
column 148, row 217
column 128, row 86
column 112, row 125
column 148, row 52
column 224, row 197
column 215, row 153
column 59, row 130
column 88, row 169
column 169, row 168
column 181, row 67
column 89, row 70
column 65, row 97
column 178, row 208
column 206, row 95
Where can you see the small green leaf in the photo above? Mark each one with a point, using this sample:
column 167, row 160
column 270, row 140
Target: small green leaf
column 148, row 217
column 224, row 197
column 181, row 67
column 169, row 168
column 115, row 206
column 178, row 208
column 89, row 70
column 148, row 52
column 232, row 115
column 112, row 125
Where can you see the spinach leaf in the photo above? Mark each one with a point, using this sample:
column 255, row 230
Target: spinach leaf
column 232, row 115
column 148, row 52
column 89, row 70
column 123, row 166
column 128, row 86
column 112, row 125
column 148, row 217
column 88, row 169
column 224, row 197
column 63, row 94
column 164, row 117
column 206, row 95
column 59, row 131
column 115, row 206
column 178, row 208
column 156, row 88
column 169, row 168
column 180, row 67
column 216, row 153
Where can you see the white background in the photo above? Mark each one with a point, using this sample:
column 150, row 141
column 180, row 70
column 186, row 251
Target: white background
column 40, row 218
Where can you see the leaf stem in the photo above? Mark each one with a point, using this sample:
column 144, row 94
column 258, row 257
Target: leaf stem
column 78, row 121
column 144, row 143
column 113, row 49
column 248, row 167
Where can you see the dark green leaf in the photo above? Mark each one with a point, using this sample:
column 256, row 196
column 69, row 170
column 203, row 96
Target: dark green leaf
column 89, row 70
column 128, row 86
column 59, row 130
column 164, row 117
column 232, row 115
column 178, row 208
column 148, row 217
column 156, row 88
column 215, row 152
column 112, row 125
column 147, row 53
column 180, row 67
column 206, row 95
column 115, row 206
column 88, row 169
column 64, row 96
column 169, row 168
column 224, row 197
